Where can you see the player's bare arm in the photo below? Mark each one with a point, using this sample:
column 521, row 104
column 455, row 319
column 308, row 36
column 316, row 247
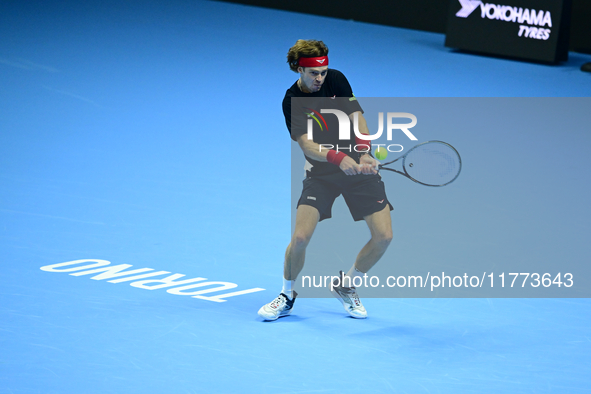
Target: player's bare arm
column 367, row 163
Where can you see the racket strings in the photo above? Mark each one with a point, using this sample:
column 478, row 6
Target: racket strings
column 434, row 164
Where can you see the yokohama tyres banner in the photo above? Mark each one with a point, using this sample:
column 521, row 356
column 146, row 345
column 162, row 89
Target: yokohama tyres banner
column 526, row 29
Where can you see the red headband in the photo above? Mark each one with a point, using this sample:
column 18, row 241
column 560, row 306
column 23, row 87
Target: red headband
column 313, row 61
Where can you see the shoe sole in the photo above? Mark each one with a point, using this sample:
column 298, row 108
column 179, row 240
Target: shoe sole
column 274, row 318
column 338, row 297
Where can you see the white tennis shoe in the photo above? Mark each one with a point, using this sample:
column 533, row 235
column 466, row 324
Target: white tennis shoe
column 349, row 298
column 279, row 307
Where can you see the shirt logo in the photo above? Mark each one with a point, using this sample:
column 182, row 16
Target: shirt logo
column 315, row 115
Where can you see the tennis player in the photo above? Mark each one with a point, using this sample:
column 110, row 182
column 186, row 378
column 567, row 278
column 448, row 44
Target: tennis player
column 330, row 173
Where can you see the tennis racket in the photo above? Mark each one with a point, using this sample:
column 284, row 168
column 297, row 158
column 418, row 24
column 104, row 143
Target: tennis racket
column 431, row 163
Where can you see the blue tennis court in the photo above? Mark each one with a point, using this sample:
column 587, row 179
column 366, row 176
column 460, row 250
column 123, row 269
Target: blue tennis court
column 143, row 147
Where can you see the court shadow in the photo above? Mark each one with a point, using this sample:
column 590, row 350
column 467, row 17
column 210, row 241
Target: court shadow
column 285, row 319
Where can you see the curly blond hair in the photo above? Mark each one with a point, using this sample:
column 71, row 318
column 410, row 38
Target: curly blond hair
column 305, row 48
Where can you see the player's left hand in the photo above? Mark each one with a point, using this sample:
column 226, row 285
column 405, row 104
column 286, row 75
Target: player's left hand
column 368, row 165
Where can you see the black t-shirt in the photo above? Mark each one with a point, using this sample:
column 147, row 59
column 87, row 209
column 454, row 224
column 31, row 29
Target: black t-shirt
column 335, row 93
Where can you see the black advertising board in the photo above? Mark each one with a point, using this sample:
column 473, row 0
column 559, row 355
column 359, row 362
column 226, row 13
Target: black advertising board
column 526, row 29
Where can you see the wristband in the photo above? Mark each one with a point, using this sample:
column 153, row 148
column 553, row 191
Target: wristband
column 335, row 157
column 364, row 143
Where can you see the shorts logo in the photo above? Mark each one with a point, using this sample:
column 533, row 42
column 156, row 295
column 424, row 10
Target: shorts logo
column 381, row 201
column 311, row 198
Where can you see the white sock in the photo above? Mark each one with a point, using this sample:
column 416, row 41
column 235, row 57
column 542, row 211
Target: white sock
column 355, row 273
column 288, row 288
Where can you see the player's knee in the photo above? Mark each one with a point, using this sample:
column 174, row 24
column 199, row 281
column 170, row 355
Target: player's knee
column 300, row 240
column 383, row 238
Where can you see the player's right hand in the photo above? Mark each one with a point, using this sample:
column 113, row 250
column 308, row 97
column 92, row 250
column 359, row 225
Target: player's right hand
column 349, row 166
column 368, row 165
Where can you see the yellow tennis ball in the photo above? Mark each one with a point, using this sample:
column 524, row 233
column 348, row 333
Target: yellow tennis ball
column 381, row 153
